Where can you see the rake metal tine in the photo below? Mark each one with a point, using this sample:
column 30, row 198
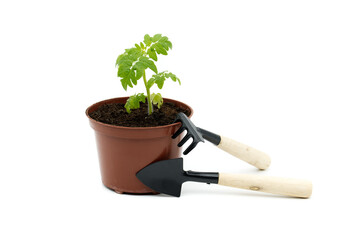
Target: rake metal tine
column 187, row 136
column 178, row 132
column 191, row 147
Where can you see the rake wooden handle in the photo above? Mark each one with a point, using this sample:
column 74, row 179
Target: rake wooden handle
column 244, row 152
column 277, row 185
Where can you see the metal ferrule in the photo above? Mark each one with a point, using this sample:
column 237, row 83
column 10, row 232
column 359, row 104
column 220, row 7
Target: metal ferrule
column 205, row 177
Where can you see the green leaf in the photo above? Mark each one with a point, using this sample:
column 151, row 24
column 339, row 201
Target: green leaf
column 161, row 44
column 174, row 77
column 148, row 63
column 152, row 66
column 156, row 99
column 140, row 66
column 138, row 74
column 160, row 78
column 126, row 82
column 160, row 49
column 123, row 59
column 133, row 101
column 133, row 53
column 150, row 83
column 163, row 39
column 123, row 71
column 156, row 37
column 169, row 44
column 117, row 63
column 147, row 40
column 164, row 45
column 126, row 70
column 152, row 54
column 160, row 81
column 132, row 76
column 142, row 45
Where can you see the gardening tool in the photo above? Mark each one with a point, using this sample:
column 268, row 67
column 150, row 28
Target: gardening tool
column 167, row 176
column 239, row 150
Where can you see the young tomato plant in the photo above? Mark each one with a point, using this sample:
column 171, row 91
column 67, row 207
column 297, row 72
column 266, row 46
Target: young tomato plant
column 134, row 62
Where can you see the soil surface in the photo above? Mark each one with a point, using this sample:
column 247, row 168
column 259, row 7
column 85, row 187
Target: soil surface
column 115, row 114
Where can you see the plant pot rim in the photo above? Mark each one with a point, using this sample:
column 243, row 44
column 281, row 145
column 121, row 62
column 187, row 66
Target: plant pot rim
column 132, row 128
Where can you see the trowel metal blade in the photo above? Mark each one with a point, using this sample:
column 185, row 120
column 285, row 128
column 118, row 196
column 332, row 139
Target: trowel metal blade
column 166, row 176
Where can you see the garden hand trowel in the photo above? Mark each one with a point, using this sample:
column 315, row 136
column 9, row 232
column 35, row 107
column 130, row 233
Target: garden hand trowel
column 239, row 150
column 167, row 176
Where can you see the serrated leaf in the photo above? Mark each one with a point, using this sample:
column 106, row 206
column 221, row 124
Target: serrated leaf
column 125, row 62
column 132, row 76
column 175, row 78
column 140, row 66
column 126, row 70
column 150, row 83
column 147, row 40
column 152, row 66
column 156, row 37
column 160, row 49
column 148, row 63
column 123, row 71
column 163, row 39
column 152, row 54
column 133, row 101
column 164, row 45
column 160, row 81
column 118, row 59
column 133, row 53
column 160, row 78
column 138, row 74
column 156, row 99
column 126, row 82
column 123, row 59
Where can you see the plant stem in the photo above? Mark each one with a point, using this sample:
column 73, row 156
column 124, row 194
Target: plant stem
column 150, row 107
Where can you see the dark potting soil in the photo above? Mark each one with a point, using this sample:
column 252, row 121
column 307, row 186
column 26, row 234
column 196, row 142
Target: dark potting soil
column 115, row 114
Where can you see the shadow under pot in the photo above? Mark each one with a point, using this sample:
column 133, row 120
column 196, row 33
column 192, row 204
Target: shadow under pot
column 123, row 151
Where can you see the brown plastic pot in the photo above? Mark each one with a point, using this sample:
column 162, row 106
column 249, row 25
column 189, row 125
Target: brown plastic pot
column 123, row 151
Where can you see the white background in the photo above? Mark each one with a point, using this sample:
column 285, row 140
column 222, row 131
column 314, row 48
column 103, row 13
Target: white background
column 281, row 76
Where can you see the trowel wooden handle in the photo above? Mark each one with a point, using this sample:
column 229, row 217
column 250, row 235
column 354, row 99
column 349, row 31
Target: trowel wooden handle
column 244, row 152
column 277, row 185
